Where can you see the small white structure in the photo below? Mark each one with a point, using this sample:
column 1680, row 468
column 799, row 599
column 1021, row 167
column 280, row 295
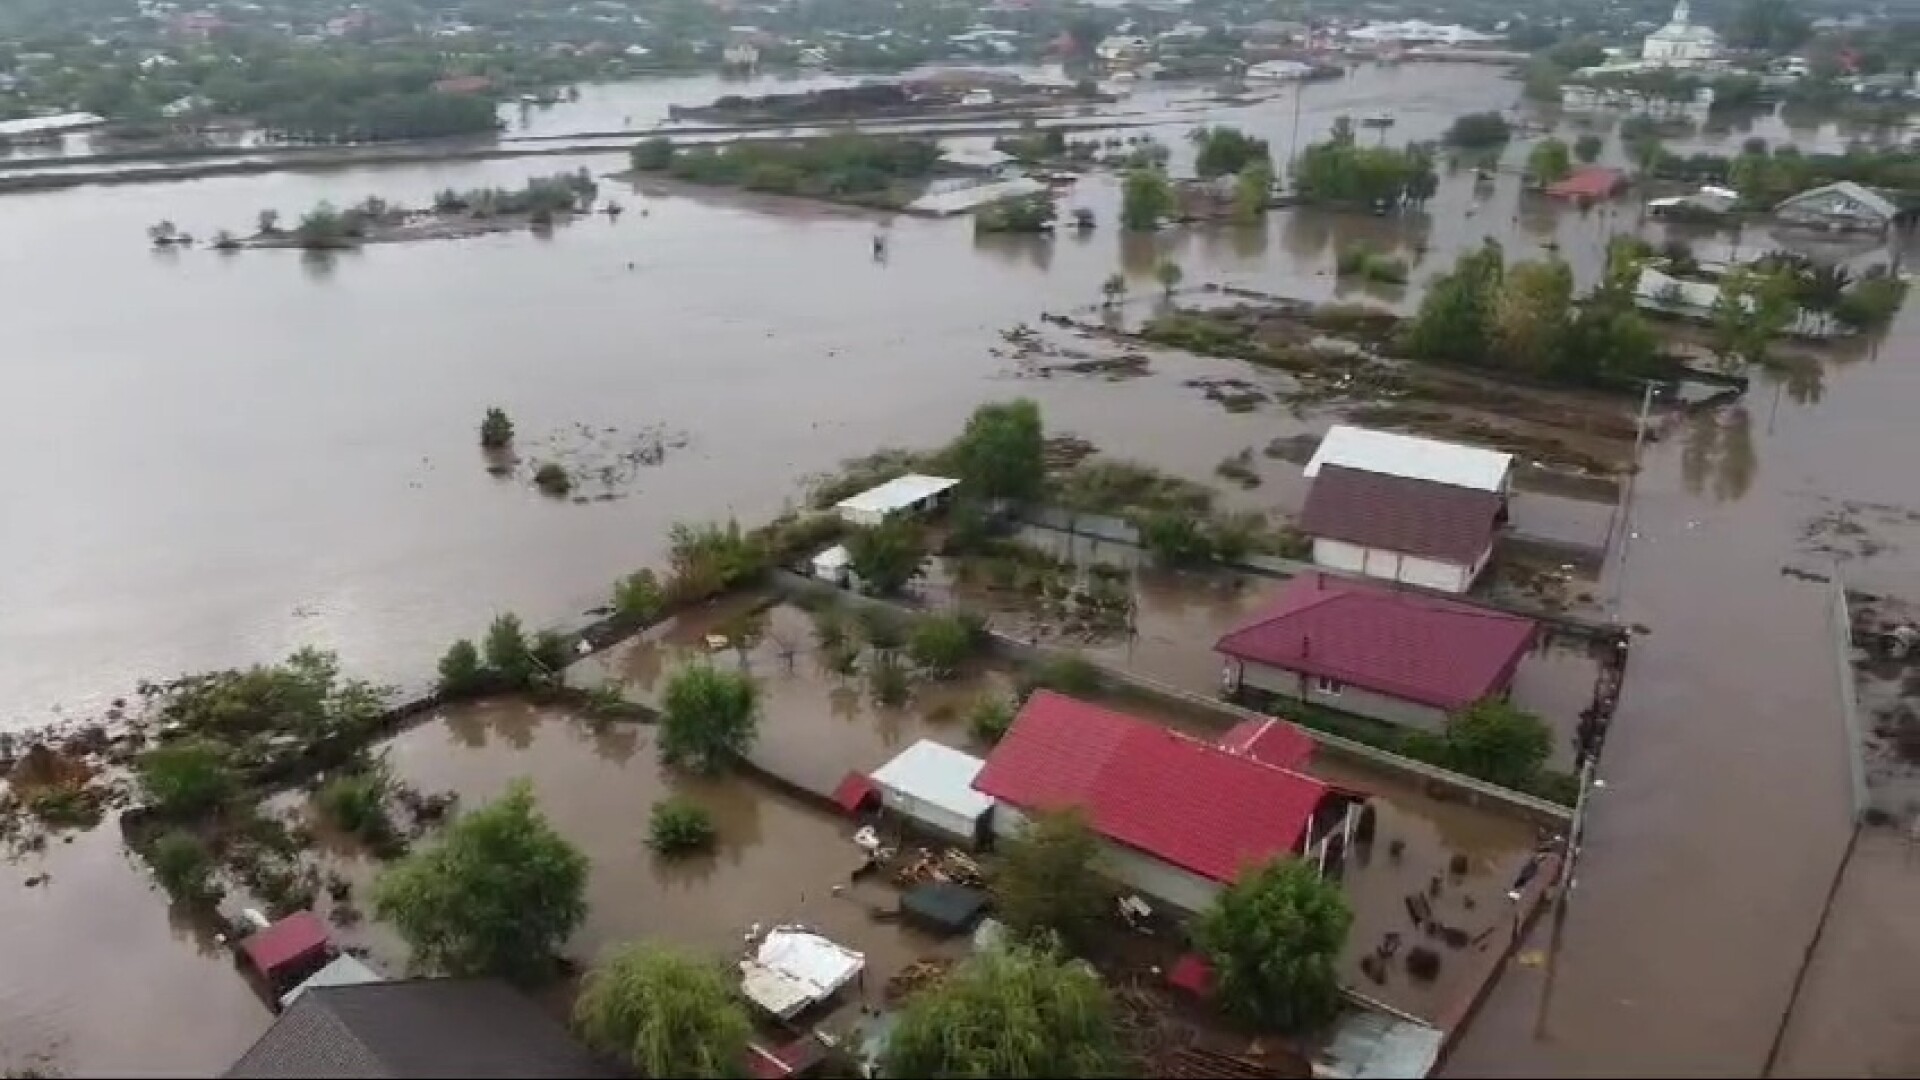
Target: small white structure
column 931, row 784
column 1680, row 43
column 1709, row 200
column 344, row 970
column 909, row 494
column 1413, row 457
column 1278, row 71
column 1418, row 32
column 49, row 125
column 1119, row 49
column 833, row 564
column 740, row 55
column 795, row 969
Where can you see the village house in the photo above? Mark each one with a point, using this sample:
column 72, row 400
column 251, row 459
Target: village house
column 418, row 1028
column 1403, row 508
column 1179, row 819
column 1840, row 207
column 1589, row 184
column 1384, row 653
column 1666, row 294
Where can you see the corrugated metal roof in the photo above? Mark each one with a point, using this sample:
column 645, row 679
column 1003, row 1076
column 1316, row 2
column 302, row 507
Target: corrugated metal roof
column 1443, row 521
column 344, row 970
column 1412, row 457
column 1371, row 1045
column 34, row 125
column 934, row 773
column 895, row 494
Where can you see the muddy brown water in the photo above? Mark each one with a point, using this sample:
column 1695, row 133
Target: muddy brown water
column 231, row 456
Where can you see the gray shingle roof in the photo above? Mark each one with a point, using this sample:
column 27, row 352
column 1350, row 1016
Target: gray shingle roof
column 417, row 1028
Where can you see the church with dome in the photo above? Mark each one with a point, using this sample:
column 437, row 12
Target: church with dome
column 1680, row 43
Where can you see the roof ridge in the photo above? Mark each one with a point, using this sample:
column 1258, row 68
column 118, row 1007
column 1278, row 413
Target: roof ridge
column 1216, row 748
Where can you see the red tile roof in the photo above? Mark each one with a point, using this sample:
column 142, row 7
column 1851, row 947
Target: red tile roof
column 1273, row 742
column 298, row 938
column 1176, row 798
column 1391, row 641
column 1395, row 513
column 1589, row 182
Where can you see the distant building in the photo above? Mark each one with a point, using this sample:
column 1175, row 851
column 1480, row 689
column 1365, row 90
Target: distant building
column 911, row 495
column 1379, row 652
column 1589, row 183
column 1680, row 43
column 1405, row 509
column 1122, row 49
column 1660, row 292
column 463, row 84
column 1418, row 32
column 740, row 56
column 1841, row 207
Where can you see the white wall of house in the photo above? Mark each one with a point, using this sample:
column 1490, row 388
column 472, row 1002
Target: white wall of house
column 1393, row 566
column 947, row 822
column 1334, row 695
column 1152, row 878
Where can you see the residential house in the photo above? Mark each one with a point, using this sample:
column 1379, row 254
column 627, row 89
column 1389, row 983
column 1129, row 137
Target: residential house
column 1839, row 207
column 1663, row 293
column 1589, row 183
column 1386, row 653
column 1403, row 508
column 1123, row 49
column 911, row 494
column 1680, row 43
column 418, row 1028
column 1179, row 819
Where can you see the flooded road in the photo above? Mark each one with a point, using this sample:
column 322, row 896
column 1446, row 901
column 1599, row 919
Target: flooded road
column 221, row 458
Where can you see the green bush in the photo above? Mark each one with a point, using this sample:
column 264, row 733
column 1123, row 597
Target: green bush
column 638, row 597
column 990, row 718
column 182, row 864
column 187, row 778
column 460, row 670
column 356, row 803
column 496, row 429
column 940, row 644
column 678, row 826
column 1065, row 673
column 652, row 155
column 552, row 478
column 887, row 681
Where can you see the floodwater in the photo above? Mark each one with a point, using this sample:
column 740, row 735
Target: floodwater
column 220, row 458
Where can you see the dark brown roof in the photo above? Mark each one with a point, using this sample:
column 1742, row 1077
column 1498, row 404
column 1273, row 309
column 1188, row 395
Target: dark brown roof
column 417, row 1028
column 1394, row 513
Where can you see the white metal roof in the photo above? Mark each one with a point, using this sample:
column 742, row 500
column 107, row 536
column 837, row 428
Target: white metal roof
column 343, row 970
column 794, row 968
column 938, row 774
column 895, row 494
column 1412, row 457
column 834, row 558
column 33, row 125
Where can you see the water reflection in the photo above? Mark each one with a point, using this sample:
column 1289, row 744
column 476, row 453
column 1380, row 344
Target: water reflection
column 1034, row 251
column 1718, row 459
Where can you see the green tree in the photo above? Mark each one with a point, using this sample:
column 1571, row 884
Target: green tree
column 1587, row 147
column 1752, row 309
column 888, row 556
column 1549, row 161
column 1531, row 314
column 356, row 803
column 497, row 895
column 708, row 717
column 939, row 644
column 664, row 1014
column 1274, row 938
column 679, row 826
column 1048, row 881
column 1252, row 190
column 187, row 778
column 1498, row 743
column 1223, row 150
column 269, row 222
column 1002, row 452
column 509, row 657
column 460, row 670
column 1455, row 320
column 496, row 429
column 638, row 596
column 652, row 155
column 1168, row 274
column 182, row 864
column 1007, row 1012
column 1145, row 198
column 989, row 718
column 1479, row 131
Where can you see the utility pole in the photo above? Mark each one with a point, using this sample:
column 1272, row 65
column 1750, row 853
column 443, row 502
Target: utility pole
column 1293, row 141
column 1619, row 527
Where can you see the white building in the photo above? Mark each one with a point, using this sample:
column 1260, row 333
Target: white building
column 931, row 784
column 1680, row 43
column 909, row 494
column 1418, row 32
column 1121, row 49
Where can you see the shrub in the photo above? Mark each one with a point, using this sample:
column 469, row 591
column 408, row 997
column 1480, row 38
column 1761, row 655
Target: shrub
column 882, row 629
column 1065, row 673
column 460, row 670
column 940, row 644
column 708, row 718
column 357, row 803
column 182, row 864
column 638, row 597
column 887, row 681
column 652, row 155
column 496, row 429
column 679, row 826
column 990, row 718
column 552, row 478
column 187, row 778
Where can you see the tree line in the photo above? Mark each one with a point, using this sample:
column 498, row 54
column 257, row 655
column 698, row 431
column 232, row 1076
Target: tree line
column 1340, row 171
column 834, row 167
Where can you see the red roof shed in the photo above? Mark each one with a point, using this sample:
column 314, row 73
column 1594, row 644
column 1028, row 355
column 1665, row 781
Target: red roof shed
column 854, row 792
column 1406, row 645
column 288, row 947
column 1590, row 182
column 1183, row 801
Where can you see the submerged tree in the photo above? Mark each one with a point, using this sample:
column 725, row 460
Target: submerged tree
column 496, row 429
column 1145, row 198
column 1498, row 742
column 1168, row 274
column 498, row 895
column 1008, row 1012
column 1048, row 881
column 1274, row 938
column 664, row 1014
column 888, row 556
column 1002, row 452
column 708, row 718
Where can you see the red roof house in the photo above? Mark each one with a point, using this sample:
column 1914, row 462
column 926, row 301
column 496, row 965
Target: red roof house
column 1182, row 816
column 1388, row 653
column 1272, row 742
column 1589, row 183
column 289, row 950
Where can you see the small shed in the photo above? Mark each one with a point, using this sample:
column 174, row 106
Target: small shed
column 833, row 564
column 795, row 969
column 855, row 793
column 943, row 907
column 1589, row 183
column 288, row 951
column 909, row 494
column 931, row 784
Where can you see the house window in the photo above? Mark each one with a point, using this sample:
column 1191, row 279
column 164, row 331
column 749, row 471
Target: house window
column 1327, row 687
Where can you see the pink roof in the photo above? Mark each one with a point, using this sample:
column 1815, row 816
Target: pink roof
column 299, row 937
column 1176, row 798
column 1589, row 182
column 1273, row 742
column 1391, row 641
column 1193, row 974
